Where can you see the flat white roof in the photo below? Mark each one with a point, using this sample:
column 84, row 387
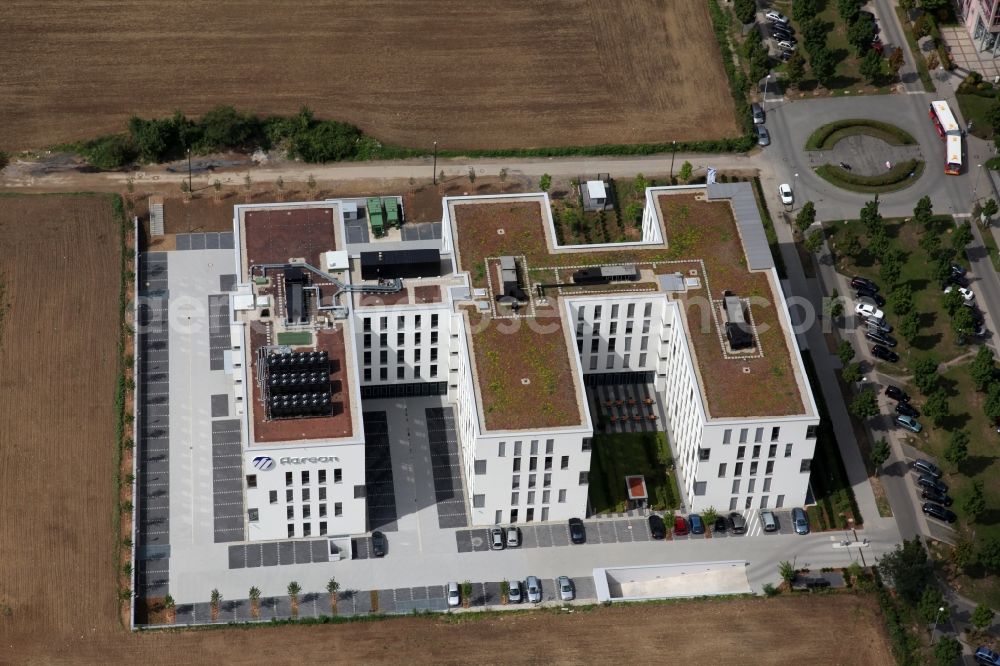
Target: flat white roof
column 595, row 188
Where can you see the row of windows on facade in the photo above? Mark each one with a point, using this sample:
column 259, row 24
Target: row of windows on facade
column 529, row 515
column 338, row 477
column 727, row 435
column 383, row 322
column 254, row 516
column 383, row 356
column 610, row 362
column 383, row 339
column 595, row 344
column 338, row 510
column 741, row 452
column 612, row 330
column 383, row 373
column 647, row 311
column 764, row 501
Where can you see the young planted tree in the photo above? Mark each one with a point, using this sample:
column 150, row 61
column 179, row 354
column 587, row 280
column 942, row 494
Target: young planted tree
column 880, row 454
column 503, row 177
column 982, row 617
column 947, row 651
column 795, row 70
column 311, row 183
column 293, row 597
column 686, row 171
column 169, row 609
column 930, row 605
column 255, row 602
column 639, row 185
column 973, row 503
column 746, row 10
column 217, row 186
column 925, row 374
column 786, row 571
column 958, row 446
column 990, row 209
column 991, row 407
column 861, row 34
column 963, row 323
column 845, row 352
column 936, row 407
column 962, row 236
column 472, row 176
column 865, row 405
column 466, row 593
column 332, row 587
column 823, row 65
column 248, row 186
column 851, row 373
column 806, row 216
column 545, row 182
column 871, row 66
column 215, row 599
column 710, row 515
column 908, row 569
column 814, row 241
column 983, row 369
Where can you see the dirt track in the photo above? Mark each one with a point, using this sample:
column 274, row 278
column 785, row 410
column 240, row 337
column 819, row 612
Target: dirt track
column 465, row 73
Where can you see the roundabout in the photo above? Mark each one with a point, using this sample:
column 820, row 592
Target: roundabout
column 865, row 156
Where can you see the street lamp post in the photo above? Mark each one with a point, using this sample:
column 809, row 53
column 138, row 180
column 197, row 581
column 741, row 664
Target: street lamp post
column 766, row 81
column 937, row 617
column 673, row 152
column 434, row 169
column 190, row 187
column 975, row 189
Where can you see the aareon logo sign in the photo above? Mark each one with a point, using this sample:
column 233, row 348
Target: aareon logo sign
column 263, row 463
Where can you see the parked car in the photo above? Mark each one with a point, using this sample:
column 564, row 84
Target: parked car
column 800, row 521
column 515, row 594
column 757, row 112
column 905, row 409
column 576, row 532
column 380, row 545
column 939, row 512
column 454, row 594
column 958, row 269
column 787, row 45
column 565, row 586
column 785, row 28
column 680, row 526
column 958, row 280
column 967, row 294
column 656, row 527
column 987, row 657
column 776, row 17
column 497, row 540
column 534, row 589
column 738, row 522
column 785, row 190
column 769, row 521
column 936, row 497
column 897, row 393
column 783, row 36
column 883, row 339
column 763, row 136
column 785, row 56
column 859, row 282
column 513, row 536
column 908, row 422
column 865, row 292
column 721, row 525
column 926, row 467
column 697, row 526
column 878, row 351
column 929, row 482
column 879, row 325
column 868, row 311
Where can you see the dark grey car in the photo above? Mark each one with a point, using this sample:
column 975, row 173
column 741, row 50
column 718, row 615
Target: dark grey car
column 763, row 137
column 757, row 111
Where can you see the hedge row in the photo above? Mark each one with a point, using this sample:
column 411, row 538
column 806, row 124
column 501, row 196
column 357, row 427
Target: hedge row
column 738, row 84
column 818, row 139
column 894, row 176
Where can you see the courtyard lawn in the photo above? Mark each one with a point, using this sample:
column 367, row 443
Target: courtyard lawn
column 618, row 455
column 975, row 109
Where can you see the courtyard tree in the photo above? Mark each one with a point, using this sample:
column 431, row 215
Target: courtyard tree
column 311, row 183
column 170, row 609
column 982, row 617
column 806, row 216
column 871, row 66
column 963, row 323
column 861, row 34
column 851, row 373
column 925, row 374
column 848, row 10
column 880, row 454
column 962, row 236
column 845, row 352
column 988, row 554
column 254, row 602
column 293, row 597
column 814, row 241
column 892, row 266
column 958, row 445
column 865, row 405
column 746, row 10
column 973, row 502
column 930, row 605
column 795, row 70
column 936, row 407
column 332, row 587
column 901, row 300
column 896, row 61
column 639, row 185
column 991, row 407
column 823, row 65
column 990, row 209
column 215, row 598
column 947, row 651
column 983, row 369
column 503, row 177
column 709, row 515
column 923, row 211
column 472, row 175
column 908, row 569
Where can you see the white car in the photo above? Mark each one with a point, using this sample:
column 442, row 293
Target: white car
column 534, row 589
column 966, row 293
column 514, row 595
column 454, row 595
column 565, row 586
column 776, row 17
column 785, row 192
column 868, row 311
column 786, row 45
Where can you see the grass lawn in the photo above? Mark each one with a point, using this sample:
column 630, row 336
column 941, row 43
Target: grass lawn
column 618, row 455
column 991, row 248
column 936, row 334
column 922, row 71
column 975, row 110
column 295, row 338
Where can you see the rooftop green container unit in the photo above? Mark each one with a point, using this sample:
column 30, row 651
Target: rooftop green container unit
column 392, row 212
column 375, row 216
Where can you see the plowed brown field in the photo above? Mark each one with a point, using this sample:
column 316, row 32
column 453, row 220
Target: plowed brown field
column 465, row 73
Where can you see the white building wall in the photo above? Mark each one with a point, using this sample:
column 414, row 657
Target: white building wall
column 617, row 334
column 406, row 345
column 303, row 494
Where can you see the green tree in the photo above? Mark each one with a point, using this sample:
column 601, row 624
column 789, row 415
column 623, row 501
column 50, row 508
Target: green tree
column 909, row 326
column 962, row 322
column 896, row 61
column 964, row 552
column 952, row 301
column 633, row 211
column 930, row 604
column 973, row 502
column 901, row 300
column 962, row 236
column 311, row 183
column 823, row 65
column 941, row 270
column 545, row 182
column 958, row 447
column 865, row 405
column 947, row 651
column 786, row 571
column 472, row 175
column 878, row 245
column 686, row 171
column 861, row 34
column 746, row 10
column 871, row 66
column 890, row 269
column 992, row 404
column 925, row 374
column 871, row 218
column 982, row 617
column 814, row 241
column 845, row 352
column 215, row 598
column 936, row 407
column 930, row 243
column 710, row 515
column 293, row 592
column 851, row 373
column 804, row 9
column 988, row 554
column 332, row 587
column 795, row 70
column 880, row 454
column 851, row 245
column 982, row 369
column 254, row 594
column 908, row 569
column 806, row 216
column 814, row 33
column 848, row 10
column 923, row 210
column 640, row 183
column 990, row 209
column 907, row 6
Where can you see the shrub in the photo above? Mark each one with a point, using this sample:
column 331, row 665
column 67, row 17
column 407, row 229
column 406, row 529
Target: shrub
column 818, row 139
column 109, row 152
column 894, row 176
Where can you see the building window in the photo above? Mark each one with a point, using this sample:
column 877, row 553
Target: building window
column 732, row 503
column 383, row 356
column 642, row 360
column 480, row 466
column 417, row 321
column 322, row 494
column 534, row 447
column 739, row 470
column 290, row 511
column 550, row 444
column 758, row 435
column 513, row 515
column 434, row 353
column 416, row 355
column 517, row 448
column 612, row 343
column 366, row 324
column 253, row 515
column 338, row 509
column 703, row 454
column 434, row 321
column 517, row 464
column 562, row 496
column 593, row 363
column 588, row 442
column 305, row 478
column 383, row 374
column 338, row 475
column 501, row 449
column 367, row 340
column 322, row 476
column 367, row 375
column 811, row 432
column 383, row 339
column 611, row 362
column 515, row 499
column 288, row 495
column 547, row 480
column 584, row 478
column 763, row 502
column 531, row 497
column 367, row 358
column 515, row 481
column 736, row 486
column 743, row 435
column 530, row 516
column 753, row 468
column 434, row 370
column 416, row 338
column 383, row 323
column 722, row 470
column 251, row 480
column 548, row 462
column 767, row 484
column 772, row 450
column 400, row 321
column 305, row 494
column 272, row 496
column 748, row 503
column 400, row 339
column 399, row 372
column 401, row 356
column 322, row 510
column 769, row 468
column 322, row 527
column 643, row 343
column 306, row 511
column 594, row 343
column 741, row 453
column 288, row 478
column 788, row 450
column 498, row 517
column 751, row 484
column 727, row 436
column 780, row 503
column 434, row 337
column 775, row 433
column 597, row 312
column 613, row 329
column 545, row 513
column 700, row 487
column 532, row 464
column 531, row 480
column 564, row 462
column 291, row 530
column 805, row 465
column 756, row 451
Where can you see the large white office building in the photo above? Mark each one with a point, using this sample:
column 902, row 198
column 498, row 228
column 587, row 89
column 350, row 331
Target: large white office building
column 514, row 329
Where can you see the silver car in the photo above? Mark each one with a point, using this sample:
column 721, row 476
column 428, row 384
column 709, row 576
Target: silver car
column 514, row 594
column 565, row 588
column 497, row 540
column 454, row 594
column 513, row 536
column 534, row 589
column 763, row 137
